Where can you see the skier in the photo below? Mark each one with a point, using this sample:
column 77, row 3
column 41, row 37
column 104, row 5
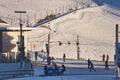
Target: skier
column 49, row 60
column 64, row 56
column 45, row 70
column 106, row 65
column 36, row 53
column 54, row 68
column 63, row 69
column 114, row 57
column 103, row 57
column 92, row 67
column 49, row 70
column 107, row 57
column 88, row 61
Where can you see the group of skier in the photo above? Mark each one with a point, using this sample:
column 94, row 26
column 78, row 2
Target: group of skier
column 91, row 66
column 105, row 59
column 54, row 69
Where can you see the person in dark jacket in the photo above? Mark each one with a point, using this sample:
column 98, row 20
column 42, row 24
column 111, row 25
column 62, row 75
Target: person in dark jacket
column 64, row 57
column 63, row 68
column 107, row 57
column 103, row 57
column 89, row 62
column 106, row 65
column 45, row 70
column 92, row 67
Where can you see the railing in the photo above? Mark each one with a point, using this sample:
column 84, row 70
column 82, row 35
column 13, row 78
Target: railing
column 15, row 73
column 11, row 57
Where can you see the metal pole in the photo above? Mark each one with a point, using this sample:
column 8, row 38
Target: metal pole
column 49, row 44
column 21, row 52
column 78, row 49
column 116, row 55
column 21, row 49
column 48, row 54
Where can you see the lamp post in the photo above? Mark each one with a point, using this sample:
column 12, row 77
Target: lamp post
column 117, row 61
column 21, row 43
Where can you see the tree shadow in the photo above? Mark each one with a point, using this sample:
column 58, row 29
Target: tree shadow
column 7, row 42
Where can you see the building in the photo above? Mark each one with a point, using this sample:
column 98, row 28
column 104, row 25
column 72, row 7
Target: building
column 9, row 49
column 9, row 40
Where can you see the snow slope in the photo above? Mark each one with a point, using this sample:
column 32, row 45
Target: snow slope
column 75, row 70
column 74, row 77
column 95, row 27
column 35, row 9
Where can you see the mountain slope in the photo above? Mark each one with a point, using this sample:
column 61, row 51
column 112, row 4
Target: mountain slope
column 94, row 26
column 35, row 9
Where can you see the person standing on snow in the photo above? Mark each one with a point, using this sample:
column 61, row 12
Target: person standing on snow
column 64, row 57
column 92, row 67
column 63, row 69
column 36, row 53
column 103, row 57
column 54, row 68
column 107, row 57
column 49, row 60
column 89, row 62
column 106, row 65
column 45, row 70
